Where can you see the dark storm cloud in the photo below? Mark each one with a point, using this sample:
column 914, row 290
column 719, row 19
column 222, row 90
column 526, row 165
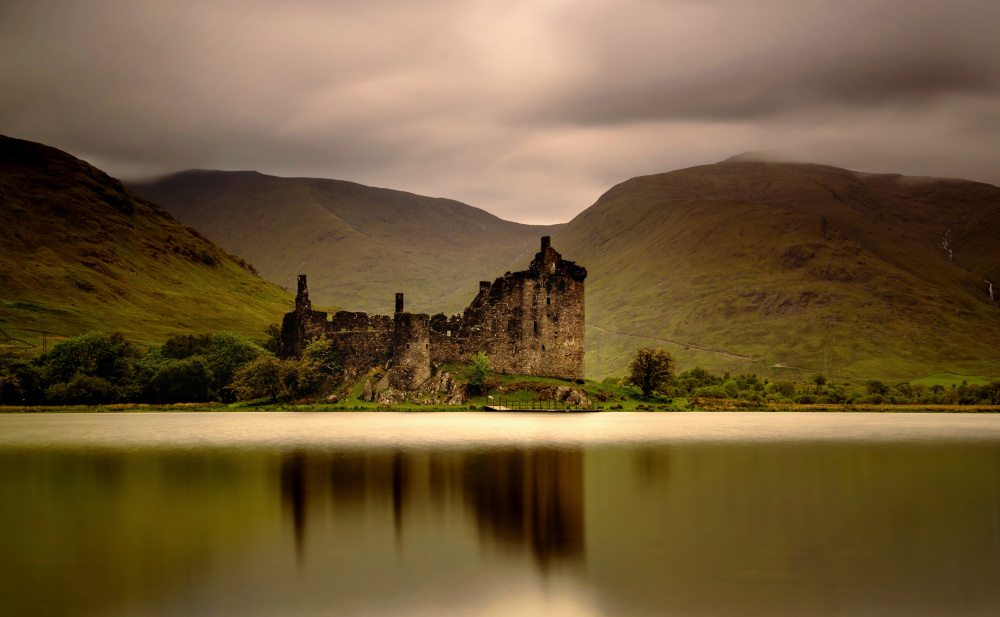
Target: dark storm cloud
column 528, row 108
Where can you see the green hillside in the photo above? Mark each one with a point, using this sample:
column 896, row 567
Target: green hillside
column 79, row 251
column 359, row 245
column 792, row 269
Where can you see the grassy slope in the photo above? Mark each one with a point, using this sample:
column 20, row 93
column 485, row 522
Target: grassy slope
column 358, row 245
column 79, row 251
column 693, row 260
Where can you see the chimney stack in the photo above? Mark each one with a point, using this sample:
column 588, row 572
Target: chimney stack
column 399, row 303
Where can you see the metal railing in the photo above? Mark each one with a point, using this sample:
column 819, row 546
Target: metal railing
column 506, row 404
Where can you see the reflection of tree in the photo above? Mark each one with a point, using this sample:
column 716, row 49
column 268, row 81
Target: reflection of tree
column 524, row 498
column 532, row 497
column 293, row 493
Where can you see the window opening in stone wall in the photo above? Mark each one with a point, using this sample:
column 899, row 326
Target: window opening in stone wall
column 449, row 332
column 543, row 347
column 407, row 345
column 426, row 345
column 536, row 327
column 548, row 300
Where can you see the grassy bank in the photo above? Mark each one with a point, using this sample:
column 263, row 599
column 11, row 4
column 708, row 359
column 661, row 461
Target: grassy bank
column 675, row 405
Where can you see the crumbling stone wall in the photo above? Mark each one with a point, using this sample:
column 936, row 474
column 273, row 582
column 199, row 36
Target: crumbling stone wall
column 361, row 340
column 528, row 323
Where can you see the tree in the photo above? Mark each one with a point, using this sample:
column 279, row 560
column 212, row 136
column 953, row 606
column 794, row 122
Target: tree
column 876, row 387
column 228, row 353
column 323, row 355
column 186, row 345
column 651, row 370
column 478, row 371
column 819, row 379
column 94, row 354
column 182, row 381
column 259, row 378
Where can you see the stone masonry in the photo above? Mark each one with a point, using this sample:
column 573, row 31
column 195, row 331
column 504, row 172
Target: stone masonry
column 527, row 323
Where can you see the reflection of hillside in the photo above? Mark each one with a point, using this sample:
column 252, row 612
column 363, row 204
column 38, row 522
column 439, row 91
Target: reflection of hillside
column 88, row 532
column 523, row 498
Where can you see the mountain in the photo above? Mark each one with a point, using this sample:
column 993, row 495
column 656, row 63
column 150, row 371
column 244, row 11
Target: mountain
column 359, row 245
column 80, row 251
column 791, row 269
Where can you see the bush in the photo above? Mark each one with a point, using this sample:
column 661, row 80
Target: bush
column 785, row 388
column 94, row 354
column 477, row 372
column 20, row 382
column 322, row 354
column 805, row 399
column 732, row 388
column 876, row 387
column 182, row 381
column 259, row 378
column 819, row 379
column 711, row 392
column 185, row 346
column 301, row 377
column 227, row 354
column 82, row 389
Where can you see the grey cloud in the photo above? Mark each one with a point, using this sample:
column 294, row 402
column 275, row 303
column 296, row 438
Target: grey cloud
column 528, row 108
column 774, row 57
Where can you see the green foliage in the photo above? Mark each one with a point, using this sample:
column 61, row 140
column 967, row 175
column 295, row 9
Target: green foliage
column 227, row 354
column 272, row 338
column 651, row 370
column 784, row 388
column 732, row 388
column 95, row 354
column 322, row 354
column 82, row 389
column 182, row 381
column 478, row 372
column 819, row 379
column 259, row 378
column 711, row 392
column 186, row 345
column 876, row 387
column 21, row 381
column 302, row 377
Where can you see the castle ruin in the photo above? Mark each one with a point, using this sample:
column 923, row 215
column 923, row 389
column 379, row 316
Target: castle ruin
column 527, row 323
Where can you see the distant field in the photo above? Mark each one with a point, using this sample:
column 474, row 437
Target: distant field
column 950, row 379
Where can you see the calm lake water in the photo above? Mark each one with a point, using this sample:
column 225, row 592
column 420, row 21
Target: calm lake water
column 688, row 514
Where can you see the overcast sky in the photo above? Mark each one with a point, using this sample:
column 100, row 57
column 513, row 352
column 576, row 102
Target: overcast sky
column 529, row 109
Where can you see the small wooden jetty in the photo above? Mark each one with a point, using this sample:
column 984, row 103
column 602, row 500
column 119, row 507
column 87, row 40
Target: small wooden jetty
column 501, row 404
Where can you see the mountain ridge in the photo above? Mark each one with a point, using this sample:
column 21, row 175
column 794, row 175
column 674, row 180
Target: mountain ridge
column 833, row 259
column 433, row 249
column 82, row 252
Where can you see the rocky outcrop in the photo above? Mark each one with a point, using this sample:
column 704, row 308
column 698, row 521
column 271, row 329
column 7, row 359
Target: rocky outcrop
column 391, row 397
column 571, row 396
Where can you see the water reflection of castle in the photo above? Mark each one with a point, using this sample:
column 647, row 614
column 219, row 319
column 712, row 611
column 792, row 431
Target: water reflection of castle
column 530, row 499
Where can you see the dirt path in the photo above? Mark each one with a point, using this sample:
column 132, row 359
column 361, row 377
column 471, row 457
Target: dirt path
column 718, row 352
